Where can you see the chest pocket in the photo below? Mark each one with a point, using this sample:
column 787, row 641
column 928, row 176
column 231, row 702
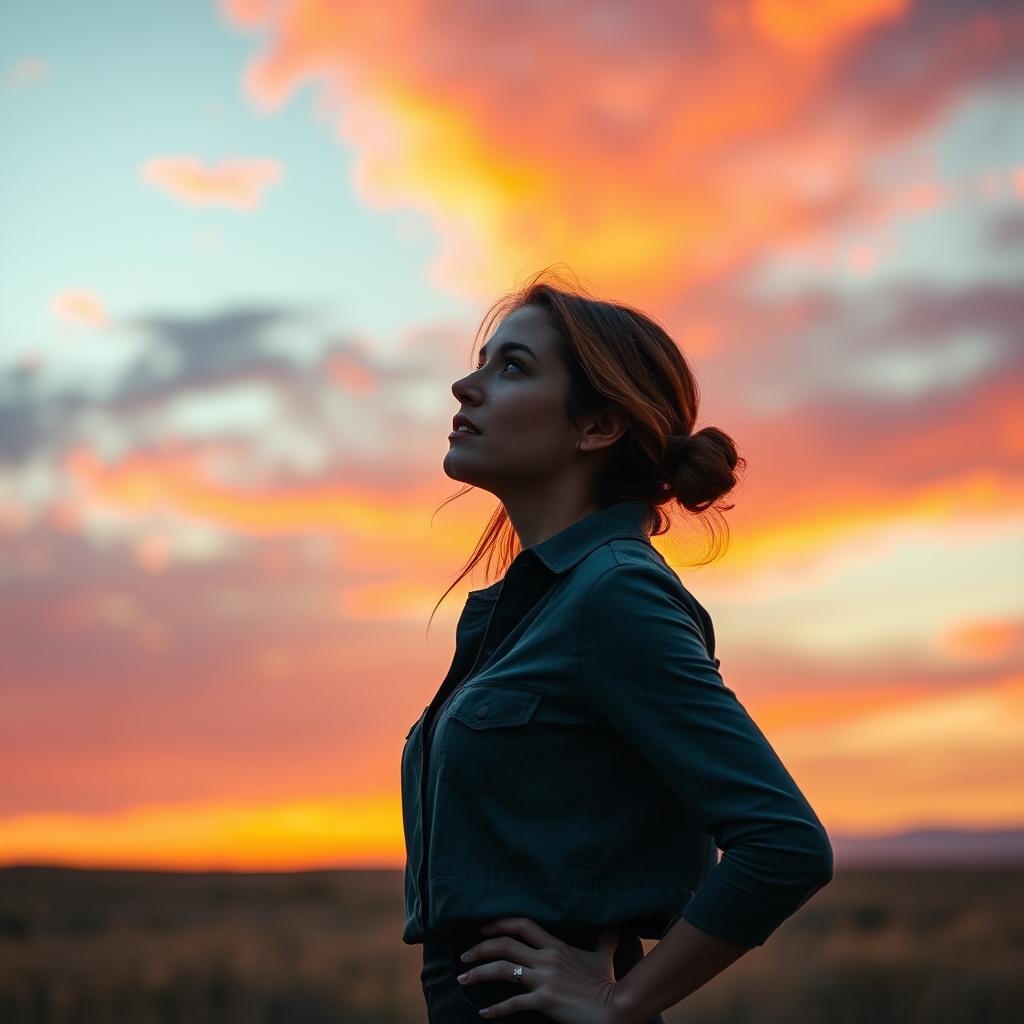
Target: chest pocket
column 483, row 745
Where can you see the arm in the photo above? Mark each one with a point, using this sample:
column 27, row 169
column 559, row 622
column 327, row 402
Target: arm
column 645, row 670
column 679, row 964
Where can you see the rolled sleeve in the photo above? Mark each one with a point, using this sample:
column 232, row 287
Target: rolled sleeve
column 645, row 671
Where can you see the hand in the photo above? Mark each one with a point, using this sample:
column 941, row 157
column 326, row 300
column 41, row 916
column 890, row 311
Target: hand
column 570, row 985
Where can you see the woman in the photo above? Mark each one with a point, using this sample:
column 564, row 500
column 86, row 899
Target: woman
column 566, row 791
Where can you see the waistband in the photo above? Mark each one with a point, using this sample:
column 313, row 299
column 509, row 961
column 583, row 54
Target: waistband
column 466, row 933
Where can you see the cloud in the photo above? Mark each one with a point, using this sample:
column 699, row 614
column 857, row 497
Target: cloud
column 914, row 339
column 23, row 424
column 163, row 686
column 764, row 355
column 1005, row 234
column 191, row 352
column 850, row 414
column 337, row 383
column 660, row 147
column 217, row 427
column 832, row 465
column 856, row 415
column 238, row 183
column 82, row 306
column 802, row 29
column 950, row 757
column 985, row 639
column 24, row 72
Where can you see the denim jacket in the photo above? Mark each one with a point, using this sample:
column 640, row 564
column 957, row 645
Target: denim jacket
column 586, row 769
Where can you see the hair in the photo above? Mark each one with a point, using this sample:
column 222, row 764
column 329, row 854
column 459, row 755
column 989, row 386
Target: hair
column 619, row 357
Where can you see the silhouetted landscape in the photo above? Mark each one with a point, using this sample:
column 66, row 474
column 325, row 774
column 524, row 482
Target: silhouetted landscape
column 878, row 945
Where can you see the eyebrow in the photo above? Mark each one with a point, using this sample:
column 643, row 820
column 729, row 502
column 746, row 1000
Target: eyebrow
column 510, row 346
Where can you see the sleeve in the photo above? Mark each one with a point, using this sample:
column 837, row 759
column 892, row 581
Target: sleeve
column 646, row 672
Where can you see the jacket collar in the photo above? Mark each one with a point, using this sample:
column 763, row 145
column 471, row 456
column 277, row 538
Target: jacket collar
column 571, row 545
column 559, row 553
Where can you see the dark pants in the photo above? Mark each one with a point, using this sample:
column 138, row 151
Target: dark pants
column 448, row 1002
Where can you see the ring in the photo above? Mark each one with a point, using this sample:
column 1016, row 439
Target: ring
column 517, row 971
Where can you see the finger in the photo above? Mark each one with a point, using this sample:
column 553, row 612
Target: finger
column 524, row 928
column 503, row 945
column 513, row 1005
column 497, row 970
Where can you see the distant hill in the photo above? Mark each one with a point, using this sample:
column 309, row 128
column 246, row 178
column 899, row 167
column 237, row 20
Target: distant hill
column 931, row 846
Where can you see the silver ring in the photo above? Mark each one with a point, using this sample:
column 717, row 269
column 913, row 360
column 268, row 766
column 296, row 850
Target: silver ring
column 517, row 971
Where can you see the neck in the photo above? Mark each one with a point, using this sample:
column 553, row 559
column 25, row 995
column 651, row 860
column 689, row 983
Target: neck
column 535, row 519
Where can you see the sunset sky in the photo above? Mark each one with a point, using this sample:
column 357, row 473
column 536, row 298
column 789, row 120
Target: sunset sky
column 245, row 249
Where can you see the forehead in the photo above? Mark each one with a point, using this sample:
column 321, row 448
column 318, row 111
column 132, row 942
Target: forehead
column 529, row 324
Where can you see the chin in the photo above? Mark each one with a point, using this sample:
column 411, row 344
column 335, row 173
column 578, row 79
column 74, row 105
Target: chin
column 452, row 469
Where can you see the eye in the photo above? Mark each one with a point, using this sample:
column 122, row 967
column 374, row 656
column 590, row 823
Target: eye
column 505, row 362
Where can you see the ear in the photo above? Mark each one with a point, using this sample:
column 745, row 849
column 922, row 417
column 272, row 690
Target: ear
column 603, row 430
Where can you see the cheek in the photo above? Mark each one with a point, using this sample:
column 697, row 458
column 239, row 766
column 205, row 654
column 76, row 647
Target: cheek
column 532, row 438
column 533, row 416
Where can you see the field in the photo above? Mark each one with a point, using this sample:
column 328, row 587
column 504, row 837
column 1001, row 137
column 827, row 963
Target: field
column 928, row 946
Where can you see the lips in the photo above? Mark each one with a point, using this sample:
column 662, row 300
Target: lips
column 464, row 421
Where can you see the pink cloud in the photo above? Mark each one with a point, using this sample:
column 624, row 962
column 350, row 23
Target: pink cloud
column 240, row 183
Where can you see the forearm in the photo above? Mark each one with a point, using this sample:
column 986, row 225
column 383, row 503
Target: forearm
column 679, row 964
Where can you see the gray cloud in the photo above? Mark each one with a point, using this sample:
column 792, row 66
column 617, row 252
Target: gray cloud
column 1005, row 234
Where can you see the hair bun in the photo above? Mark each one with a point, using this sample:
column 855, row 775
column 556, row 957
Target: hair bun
column 679, row 445
column 701, row 467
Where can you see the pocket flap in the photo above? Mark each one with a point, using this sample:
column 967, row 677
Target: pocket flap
column 489, row 707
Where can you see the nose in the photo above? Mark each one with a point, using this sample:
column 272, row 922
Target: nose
column 463, row 392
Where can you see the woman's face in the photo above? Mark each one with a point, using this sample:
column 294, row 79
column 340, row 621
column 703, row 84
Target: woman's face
column 516, row 399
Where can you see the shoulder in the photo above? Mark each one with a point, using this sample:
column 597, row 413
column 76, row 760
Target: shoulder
column 629, row 581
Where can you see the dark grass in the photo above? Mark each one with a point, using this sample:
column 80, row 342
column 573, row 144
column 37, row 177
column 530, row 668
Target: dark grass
column 922, row 946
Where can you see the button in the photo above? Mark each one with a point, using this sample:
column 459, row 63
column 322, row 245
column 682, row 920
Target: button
column 481, row 712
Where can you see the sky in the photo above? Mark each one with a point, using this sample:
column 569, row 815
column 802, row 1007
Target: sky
column 246, row 248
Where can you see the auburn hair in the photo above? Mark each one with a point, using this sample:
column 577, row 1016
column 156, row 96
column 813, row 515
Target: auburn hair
column 619, row 357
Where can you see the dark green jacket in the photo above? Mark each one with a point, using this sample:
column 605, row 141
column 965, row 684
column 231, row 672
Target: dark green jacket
column 588, row 766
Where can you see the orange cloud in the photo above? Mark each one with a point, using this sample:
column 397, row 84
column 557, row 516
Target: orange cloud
column 185, row 484
column 819, row 27
column 982, row 640
column 768, row 529
column 658, row 149
column 846, row 470
column 822, row 708
column 949, row 757
column 239, row 183
column 80, row 306
column 378, row 529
